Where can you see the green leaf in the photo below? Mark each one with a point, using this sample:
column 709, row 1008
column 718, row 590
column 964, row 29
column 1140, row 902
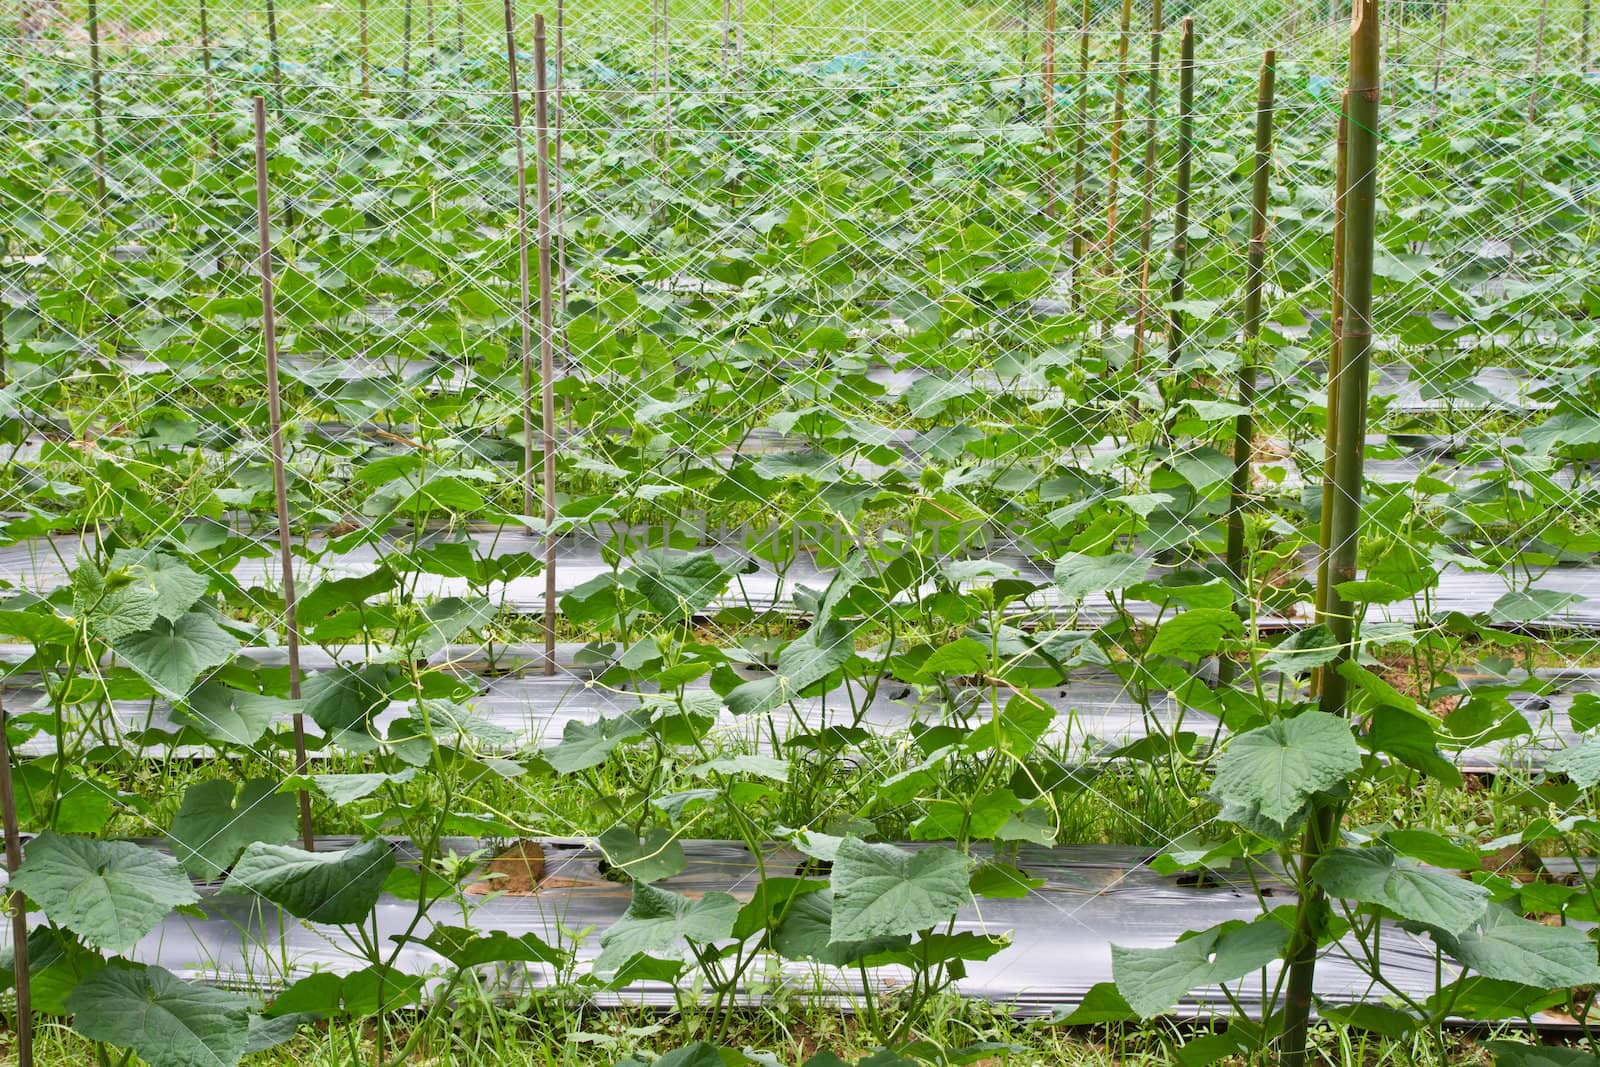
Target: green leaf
column 172, row 586
column 1532, row 605
column 806, row 932
column 584, row 745
column 1101, row 1004
column 173, row 653
column 1517, row 1054
column 1580, row 762
column 1196, row 633
column 109, row 893
column 881, row 890
column 469, row 948
column 658, row 921
column 228, row 715
column 1509, row 947
column 1078, row 575
column 656, row 856
column 1154, row 979
column 806, row 660
column 213, row 825
column 961, row 657
column 1375, row 875
column 325, row 887
column 1272, row 771
column 168, row 1022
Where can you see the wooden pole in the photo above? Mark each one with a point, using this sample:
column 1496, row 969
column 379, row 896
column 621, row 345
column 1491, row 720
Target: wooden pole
column 269, row 329
column 1438, row 63
column 1147, row 184
column 405, row 51
column 211, row 92
column 272, row 55
column 547, row 371
column 1180, row 217
column 366, row 61
column 19, row 906
column 97, row 104
column 1330, row 443
column 727, row 34
column 1118, row 113
column 24, row 31
column 1080, row 173
column 1533, row 120
column 525, row 297
column 1244, row 424
column 738, row 38
column 1344, row 542
column 1047, row 78
column 556, row 164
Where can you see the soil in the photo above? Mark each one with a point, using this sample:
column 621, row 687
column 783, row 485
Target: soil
column 519, row 870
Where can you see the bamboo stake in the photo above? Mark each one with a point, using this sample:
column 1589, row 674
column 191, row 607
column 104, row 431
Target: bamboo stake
column 1180, row 217
column 1244, row 425
column 272, row 55
column 525, row 297
column 1330, row 446
column 738, row 37
column 1438, row 62
column 269, row 330
column 461, row 27
column 1047, row 76
column 666, row 84
column 405, row 52
column 432, row 41
column 1533, row 120
column 1118, row 112
column 366, row 62
column 547, row 372
column 1344, row 540
column 1080, row 173
column 560, row 130
column 19, row 907
column 97, row 104
column 24, row 26
column 1147, row 185
column 1583, row 37
column 211, row 93
column 727, row 34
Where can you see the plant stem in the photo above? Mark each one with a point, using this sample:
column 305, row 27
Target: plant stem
column 1244, row 424
column 269, row 330
column 1345, row 528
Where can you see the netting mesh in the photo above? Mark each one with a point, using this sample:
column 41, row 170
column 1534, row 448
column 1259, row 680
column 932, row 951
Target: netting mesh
column 832, row 280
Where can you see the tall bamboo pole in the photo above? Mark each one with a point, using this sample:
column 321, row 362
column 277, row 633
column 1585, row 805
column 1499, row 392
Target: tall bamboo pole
column 738, row 38
column 405, row 51
column 461, row 27
column 366, row 61
column 560, row 130
column 97, row 104
column 1147, row 185
column 24, row 31
column 1344, row 541
column 1047, row 78
column 280, row 488
column 1180, row 214
column 525, row 295
column 1118, row 113
column 272, row 55
column 666, row 85
column 1438, row 62
column 18, row 906
column 1330, row 443
column 547, row 332
column 727, row 34
column 1255, row 258
column 1080, row 171
column 211, row 92
column 432, row 41
column 1533, row 120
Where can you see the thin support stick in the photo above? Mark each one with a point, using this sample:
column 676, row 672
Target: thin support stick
column 1080, row 173
column 211, row 92
column 1533, row 120
column 1147, row 184
column 1330, row 441
column 556, row 164
column 24, row 31
column 19, row 907
column 727, row 34
column 269, row 330
column 547, row 371
column 1118, row 113
column 1438, row 63
column 525, row 295
column 97, row 104
column 738, row 38
column 272, row 56
column 1344, row 543
column 366, row 60
column 405, row 52
column 1047, row 78
column 1244, row 424
column 1180, row 215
